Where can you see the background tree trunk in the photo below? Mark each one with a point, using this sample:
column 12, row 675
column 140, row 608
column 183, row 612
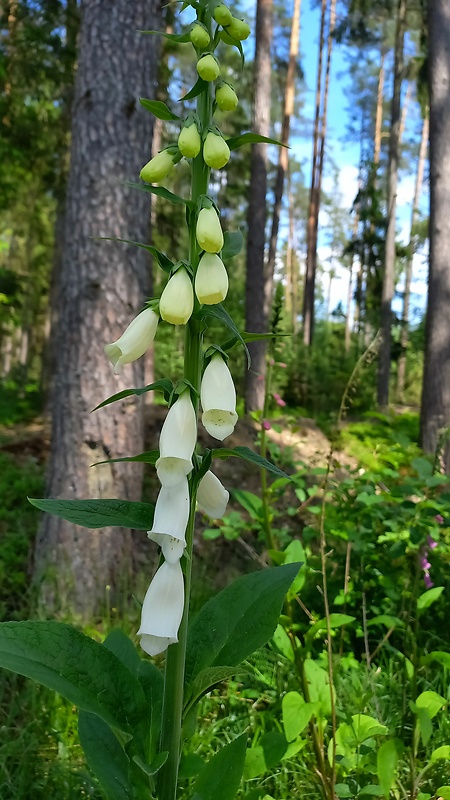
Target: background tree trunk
column 102, row 288
column 435, row 414
column 255, row 319
column 384, row 364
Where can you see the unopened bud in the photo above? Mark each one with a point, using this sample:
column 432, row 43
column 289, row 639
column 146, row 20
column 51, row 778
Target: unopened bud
column 238, row 29
column 209, row 231
column 158, row 168
column 223, row 15
column 208, row 68
column 215, row 151
column 226, row 97
column 199, row 36
column 189, row 141
column 177, row 300
column 211, row 279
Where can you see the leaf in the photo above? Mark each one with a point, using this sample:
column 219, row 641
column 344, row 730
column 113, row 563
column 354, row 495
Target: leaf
column 155, row 766
column 70, row 663
column 444, row 792
column 160, row 191
column 218, row 312
column 250, row 502
column 423, row 467
column 283, row 643
column 424, row 725
column 365, row 727
column 387, row 760
column 336, row 621
column 440, row 752
column 121, row 645
column 205, row 681
column 152, row 682
column 150, row 457
column 296, row 714
column 251, row 138
column 164, row 261
column 431, row 701
column 237, row 621
column 221, row 777
column 269, row 751
column 233, row 243
column 159, row 109
column 372, row 790
column 181, row 38
column 249, row 455
column 440, row 656
column 99, row 513
column 387, row 620
column 342, row 790
column 428, row 598
column 163, row 385
column 199, row 86
column 105, row 756
column 295, row 552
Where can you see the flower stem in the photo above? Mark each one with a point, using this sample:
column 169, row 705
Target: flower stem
column 172, row 715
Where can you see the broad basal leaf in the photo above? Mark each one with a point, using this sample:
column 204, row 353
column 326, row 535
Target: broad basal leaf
column 99, row 513
column 221, row 777
column 105, row 756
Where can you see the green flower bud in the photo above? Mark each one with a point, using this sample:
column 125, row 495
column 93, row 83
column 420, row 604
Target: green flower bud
column 226, row 97
column 209, row 232
column 223, row 15
column 211, row 279
column 158, row 168
column 189, row 141
column 215, row 151
column 177, row 300
column 199, row 36
column 208, row 68
column 238, row 29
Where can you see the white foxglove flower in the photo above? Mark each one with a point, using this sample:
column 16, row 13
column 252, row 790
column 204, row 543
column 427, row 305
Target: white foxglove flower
column 211, row 279
column 177, row 442
column 170, row 520
column 216, row 152
column 209, row 231
column 162, row 609
column 218, row 398
column 212, row 497
column 135, row 340
column 177, row 300
column 159, row 167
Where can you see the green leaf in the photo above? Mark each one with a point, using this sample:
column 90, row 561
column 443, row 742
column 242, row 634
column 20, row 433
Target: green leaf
column 424, row 725
column 336, row 621
column 163, row 385
column 283, row 643
column 387, row 620
column 205, row 681
column 70, row 663
column 251, row 138
column 152, row 682
column 365, row 727
column 440, row 656
column 180, row 38
column 428, row 598
column 105, row 756
column 121, row 645
column 387, row 760
column 269, row 751
column 199, row 86
column 444, row 792
column 221, row 777
column 155, row 766
column 237, row 621
column 159, row 109
column 431, row 701
column 160, row 191
column 250, row 502
column 218, row 312
column 372, row 790
column 440, row 752
column 164, row 262
column 249, row 455
column 99, row 513
column 150, row 457
column 342, row 790
column 296, row 714
column 423, row 467
column 233, row 243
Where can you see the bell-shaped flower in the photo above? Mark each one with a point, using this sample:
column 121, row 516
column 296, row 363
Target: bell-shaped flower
column 211, row 279
column 177, row 300
column 134, row 341
column 209, row 231
column 215, row 151
column 238, row 29
column 226, row 97
column 162, row 609
column 199, row 36
column 212, row 497
column 222, row 14
column 170, row 520
column 189, row 141
column 177, row 442
column 208, row 67
column 218, row 399
column 159, row 167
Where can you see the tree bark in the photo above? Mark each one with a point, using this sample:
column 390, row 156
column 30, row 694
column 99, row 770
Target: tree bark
column 384, row 364
column 404, row 336
column 379, row 113
column 102, row 288
column 257, row 207
column 283, row 158
column 435, row 412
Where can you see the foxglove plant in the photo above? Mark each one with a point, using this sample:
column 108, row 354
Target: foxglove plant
column 132, row 721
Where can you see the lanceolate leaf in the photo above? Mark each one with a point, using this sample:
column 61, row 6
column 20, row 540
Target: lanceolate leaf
column 160, row 191
column 218, row 312
column 159, row 109
column 233, row 242
column 181, row 38
column 150, row 457
column 251, row 138
column 105, row 757
column 99, row 513
column 221, row 777
column 249, row 455
column 164, row 385
column 199, row 86
column 205, row 681
column 164, row 262
column 72, row 664
column 238, row 620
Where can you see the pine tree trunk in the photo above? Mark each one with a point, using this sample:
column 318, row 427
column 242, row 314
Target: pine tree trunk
column 384, row 364
column 103, row 286
column 289, row 100
column 404, row 336
column 379, row 113
column 435, row 413
column 257, row 207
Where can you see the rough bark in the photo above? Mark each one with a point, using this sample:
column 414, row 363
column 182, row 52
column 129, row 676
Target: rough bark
column 379, row 113
column 102, row 287
column 404, row 336
column 384, row 364
column 257, row 207
column 435, row 413
column 283, row 158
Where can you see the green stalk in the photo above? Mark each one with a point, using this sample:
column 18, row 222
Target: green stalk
column 270, row 543
column 172, row 715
